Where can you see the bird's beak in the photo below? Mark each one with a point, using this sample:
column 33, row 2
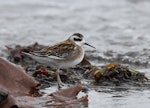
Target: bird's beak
column 89, row 45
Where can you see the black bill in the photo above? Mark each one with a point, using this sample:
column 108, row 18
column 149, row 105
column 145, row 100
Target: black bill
column 89, row 45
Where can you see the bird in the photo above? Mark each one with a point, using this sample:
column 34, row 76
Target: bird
column 62, row 55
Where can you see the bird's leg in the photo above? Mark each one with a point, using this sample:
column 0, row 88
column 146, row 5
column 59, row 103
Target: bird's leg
column 59, row 82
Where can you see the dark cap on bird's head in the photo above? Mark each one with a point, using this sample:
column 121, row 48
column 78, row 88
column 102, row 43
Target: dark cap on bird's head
column 78, row 34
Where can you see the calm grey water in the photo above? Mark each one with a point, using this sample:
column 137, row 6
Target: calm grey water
column 117, row 27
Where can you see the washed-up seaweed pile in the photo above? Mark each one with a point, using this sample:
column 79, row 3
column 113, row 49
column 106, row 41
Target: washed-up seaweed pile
column 117, row 74
column 113, row 72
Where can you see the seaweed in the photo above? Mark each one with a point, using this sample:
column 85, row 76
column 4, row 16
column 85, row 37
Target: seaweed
column 117, row 73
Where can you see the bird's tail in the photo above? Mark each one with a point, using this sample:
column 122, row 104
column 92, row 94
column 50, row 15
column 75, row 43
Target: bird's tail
column 36, row 57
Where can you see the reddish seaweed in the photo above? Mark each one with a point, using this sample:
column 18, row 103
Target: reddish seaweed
column 18, row 89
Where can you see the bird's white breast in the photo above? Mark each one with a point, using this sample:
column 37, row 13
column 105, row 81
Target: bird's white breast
column 73, row 62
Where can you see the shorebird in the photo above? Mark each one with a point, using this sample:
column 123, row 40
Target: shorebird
column 65, row 54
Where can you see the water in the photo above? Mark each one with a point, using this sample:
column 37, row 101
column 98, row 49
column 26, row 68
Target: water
column 118, row 27
column 123, row 99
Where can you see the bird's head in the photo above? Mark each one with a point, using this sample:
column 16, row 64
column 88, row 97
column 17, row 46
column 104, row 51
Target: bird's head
column 79, row 39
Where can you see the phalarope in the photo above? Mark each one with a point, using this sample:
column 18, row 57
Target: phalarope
column 62, row 55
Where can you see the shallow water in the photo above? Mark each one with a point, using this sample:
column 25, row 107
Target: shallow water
column 118, row 29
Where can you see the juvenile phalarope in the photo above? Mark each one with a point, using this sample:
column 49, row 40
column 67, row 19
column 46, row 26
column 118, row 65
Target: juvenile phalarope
column 62, row 55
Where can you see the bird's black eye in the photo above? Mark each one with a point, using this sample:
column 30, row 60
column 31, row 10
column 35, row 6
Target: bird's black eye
column 77, row 39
